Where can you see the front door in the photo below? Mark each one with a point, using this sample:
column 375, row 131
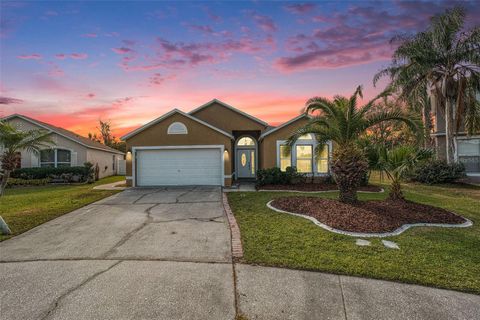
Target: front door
column 246, row 163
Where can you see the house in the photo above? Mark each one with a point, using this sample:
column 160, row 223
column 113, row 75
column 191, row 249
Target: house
column 215, row 144
column 70, row 149
column 467, row 148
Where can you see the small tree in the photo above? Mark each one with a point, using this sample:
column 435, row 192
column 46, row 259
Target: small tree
column 344, row 123
column 397, row 163
column 13, row 141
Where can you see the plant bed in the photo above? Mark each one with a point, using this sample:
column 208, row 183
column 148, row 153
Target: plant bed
column 366, row 217
column 314, row 187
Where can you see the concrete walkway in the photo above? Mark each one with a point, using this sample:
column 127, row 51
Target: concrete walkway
column 166, row 254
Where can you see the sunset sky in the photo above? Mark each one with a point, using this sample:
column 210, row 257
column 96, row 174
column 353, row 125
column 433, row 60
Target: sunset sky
column 72, row 63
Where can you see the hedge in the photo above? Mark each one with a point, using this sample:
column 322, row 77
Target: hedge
column 64, row 173
column 12, row 182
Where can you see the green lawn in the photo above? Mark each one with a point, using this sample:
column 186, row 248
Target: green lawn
column 439, row 257
column 25, row 208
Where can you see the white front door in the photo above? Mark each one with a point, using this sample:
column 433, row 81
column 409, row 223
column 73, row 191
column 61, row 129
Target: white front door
column 176, row 167
column 246, row 163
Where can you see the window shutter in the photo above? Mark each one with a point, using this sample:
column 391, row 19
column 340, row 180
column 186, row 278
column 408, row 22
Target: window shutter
column 35, row 161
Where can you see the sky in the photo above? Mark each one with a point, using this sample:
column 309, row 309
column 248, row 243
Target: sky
column 72, row 63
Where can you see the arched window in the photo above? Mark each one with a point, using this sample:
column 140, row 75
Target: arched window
column 307, row 136
column 245, row 142
column 55, row 158
column 177, row 128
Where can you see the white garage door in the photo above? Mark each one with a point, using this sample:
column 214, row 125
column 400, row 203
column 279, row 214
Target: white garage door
column 174, row 167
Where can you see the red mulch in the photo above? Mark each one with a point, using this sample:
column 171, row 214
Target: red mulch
column 314, row 187
column 366, row 216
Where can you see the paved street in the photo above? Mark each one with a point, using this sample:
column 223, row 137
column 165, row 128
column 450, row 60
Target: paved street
column 165, row 254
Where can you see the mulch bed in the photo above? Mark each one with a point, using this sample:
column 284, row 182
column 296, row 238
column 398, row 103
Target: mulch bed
column 366, row 216
column 314, row 187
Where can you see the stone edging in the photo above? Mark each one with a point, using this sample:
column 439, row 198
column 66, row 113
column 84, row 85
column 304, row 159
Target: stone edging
column 398, row 231
column 323, row 191
column 237, row 249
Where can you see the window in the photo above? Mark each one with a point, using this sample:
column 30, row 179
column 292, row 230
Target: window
column 285, row 158
column 245, row 142
column 55, row 158
column 113, row 162
column 322, row 160
column 307, row 136
column 304, row 158
column 469, row 154
column 177, row 128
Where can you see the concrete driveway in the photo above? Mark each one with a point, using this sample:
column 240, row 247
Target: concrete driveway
column 165, row 254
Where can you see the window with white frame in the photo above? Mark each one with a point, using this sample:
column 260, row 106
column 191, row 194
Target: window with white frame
column 285, row 157
column 55, row 158
column 469, row 154
column 302, row 156
column 177, row 128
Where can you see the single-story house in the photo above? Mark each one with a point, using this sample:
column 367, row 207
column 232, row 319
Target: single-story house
column 69, row 149
column 216, row 144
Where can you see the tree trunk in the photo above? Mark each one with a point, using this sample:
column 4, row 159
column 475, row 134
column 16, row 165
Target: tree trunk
column 427, row 124
column 348, row 167
column 3, row 181
column 449, row 131
column 396, row 193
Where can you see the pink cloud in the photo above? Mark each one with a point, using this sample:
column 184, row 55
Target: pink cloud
column 90, row 35
column 55, row 70
column 90, row 95
column 265, row 23
column 79, row 56
column 60, row 56
column 9, row 100
column 122, row 50
column 34, row 56
column 299, row 8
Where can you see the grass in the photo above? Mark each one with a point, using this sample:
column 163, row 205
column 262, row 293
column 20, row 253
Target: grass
column 26, row 208
column 439, row 257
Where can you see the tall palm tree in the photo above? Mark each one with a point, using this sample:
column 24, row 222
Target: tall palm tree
column 397, row 163
column 344, row 123
column 13, row 141
column 446, row 60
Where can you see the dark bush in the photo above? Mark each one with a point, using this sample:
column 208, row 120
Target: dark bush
column 276, row 176
column 12, row 182
column 438, row 171
column 61, row 174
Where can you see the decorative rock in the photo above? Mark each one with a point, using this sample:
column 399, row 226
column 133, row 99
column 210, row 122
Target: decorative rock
column 362, row 243
column 390, row 244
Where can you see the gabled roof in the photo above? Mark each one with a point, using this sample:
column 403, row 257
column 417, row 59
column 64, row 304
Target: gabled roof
column 64, row 133
column 267, row 132
column 203, row 106
column 168, row 114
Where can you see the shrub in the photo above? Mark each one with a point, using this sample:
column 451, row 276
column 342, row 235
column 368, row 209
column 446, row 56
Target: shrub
column 12, row 182
column 276, row 176
column 438, row 171
column 61, row 174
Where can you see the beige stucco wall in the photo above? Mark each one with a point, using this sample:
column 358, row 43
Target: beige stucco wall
column 79, row 152
column 226, row 119
column 268, row 145
column 105, row 161
column 198, row 134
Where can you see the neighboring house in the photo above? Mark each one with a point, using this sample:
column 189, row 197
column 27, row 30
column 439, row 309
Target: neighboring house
column 215, row 144
column 70, row 149
column 467, row 148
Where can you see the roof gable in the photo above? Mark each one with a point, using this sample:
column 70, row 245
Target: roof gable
column 65, row 133
column 223, row 104
column 168, row 114
column 283, row 125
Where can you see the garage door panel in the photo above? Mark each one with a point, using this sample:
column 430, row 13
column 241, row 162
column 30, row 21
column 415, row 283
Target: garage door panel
column 179, row 167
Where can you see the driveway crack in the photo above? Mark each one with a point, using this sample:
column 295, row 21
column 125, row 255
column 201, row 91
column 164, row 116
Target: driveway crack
column 69, row 291
column 343, row 297
column 125, row 238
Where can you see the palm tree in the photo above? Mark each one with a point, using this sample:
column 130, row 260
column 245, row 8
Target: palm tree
column 342, row 122
column 397, row 163
column 13, row 141
column 446, row 60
